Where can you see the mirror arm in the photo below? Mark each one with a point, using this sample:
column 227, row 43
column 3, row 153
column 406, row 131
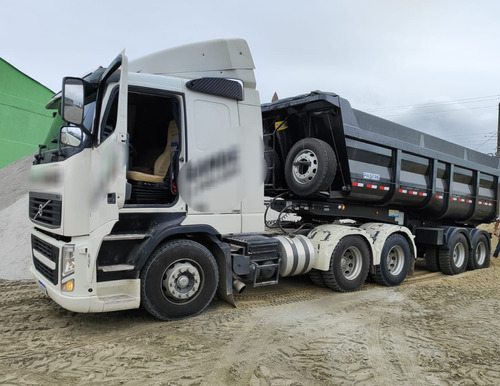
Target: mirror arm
column 89, row 134
column 85, row 130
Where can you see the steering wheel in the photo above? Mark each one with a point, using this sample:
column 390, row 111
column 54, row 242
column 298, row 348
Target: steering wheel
column 131, row 150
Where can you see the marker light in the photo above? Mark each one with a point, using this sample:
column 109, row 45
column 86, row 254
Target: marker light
column 69, row 285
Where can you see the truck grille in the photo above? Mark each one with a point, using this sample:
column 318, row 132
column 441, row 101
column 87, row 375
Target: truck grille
column 50, row 252
column 45, row 209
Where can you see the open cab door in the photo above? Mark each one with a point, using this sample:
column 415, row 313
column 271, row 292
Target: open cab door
column 108, row 184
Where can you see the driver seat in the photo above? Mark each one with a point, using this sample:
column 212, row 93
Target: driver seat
column 163, row 161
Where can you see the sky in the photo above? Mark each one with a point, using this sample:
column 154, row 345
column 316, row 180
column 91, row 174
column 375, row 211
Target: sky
column 433, row 65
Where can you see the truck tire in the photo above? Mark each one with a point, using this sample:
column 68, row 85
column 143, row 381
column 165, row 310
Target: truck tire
column 480, row 258
column 317, row 278
column 310, row 167
column 432, row 259
column 395, row 261
column 179, row 280
column 454, row 260
column 349, row 265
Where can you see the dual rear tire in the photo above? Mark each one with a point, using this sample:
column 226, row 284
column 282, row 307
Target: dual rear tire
column 351, row 259
column 395, row 261
column 349, row 265
column 458, row 257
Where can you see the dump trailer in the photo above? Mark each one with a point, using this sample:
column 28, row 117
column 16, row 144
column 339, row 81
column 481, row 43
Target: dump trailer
column 338, row 162
column 156, row 183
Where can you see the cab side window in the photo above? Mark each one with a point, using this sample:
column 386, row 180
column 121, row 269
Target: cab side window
column 110, row 117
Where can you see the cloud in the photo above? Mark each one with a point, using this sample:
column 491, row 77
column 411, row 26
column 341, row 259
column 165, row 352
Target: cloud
column 375, row 54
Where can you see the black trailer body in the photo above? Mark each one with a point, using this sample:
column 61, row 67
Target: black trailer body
column 376, row 164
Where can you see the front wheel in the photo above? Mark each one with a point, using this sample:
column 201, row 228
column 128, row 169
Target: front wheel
column 179, row 280
column 349, row 265
column 395, row 261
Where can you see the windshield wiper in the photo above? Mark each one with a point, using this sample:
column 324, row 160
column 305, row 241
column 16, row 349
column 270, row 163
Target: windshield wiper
column 39, row 156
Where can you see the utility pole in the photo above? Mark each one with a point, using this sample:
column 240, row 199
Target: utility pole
column 498, row 133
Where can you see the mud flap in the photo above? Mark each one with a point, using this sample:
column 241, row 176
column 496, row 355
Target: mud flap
column 411, row 271
column 225, row 287
column 222, row 254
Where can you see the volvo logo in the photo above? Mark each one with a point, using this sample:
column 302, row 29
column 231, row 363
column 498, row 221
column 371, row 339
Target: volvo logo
column 41, row 207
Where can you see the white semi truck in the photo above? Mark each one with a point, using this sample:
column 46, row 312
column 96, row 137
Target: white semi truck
column 150, row 189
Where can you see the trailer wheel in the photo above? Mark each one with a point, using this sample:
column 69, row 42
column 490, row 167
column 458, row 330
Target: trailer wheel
column 432, row 259
column 395, row 261
column 310, row 167
column 316, row 277
column 454, row 260
column 179, row 280
column 349, row 265
column 480, row 257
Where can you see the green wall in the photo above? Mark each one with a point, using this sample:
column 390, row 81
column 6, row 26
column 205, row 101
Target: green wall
column 24, row 121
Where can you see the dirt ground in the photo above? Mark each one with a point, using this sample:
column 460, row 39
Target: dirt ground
column 432, row 330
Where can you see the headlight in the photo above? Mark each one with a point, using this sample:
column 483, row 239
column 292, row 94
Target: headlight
column 68, row 259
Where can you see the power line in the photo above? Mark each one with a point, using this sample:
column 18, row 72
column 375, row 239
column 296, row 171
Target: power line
column 440, row 111
column 431, row 104
column 475, row 135
column 487, row 139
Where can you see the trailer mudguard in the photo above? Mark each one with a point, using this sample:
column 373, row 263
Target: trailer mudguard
column 450, row 232
column 326, row 237
column 476, row 233
column 380, row 232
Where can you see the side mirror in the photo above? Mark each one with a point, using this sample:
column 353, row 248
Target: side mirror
column 71, row 136
column 73, row 100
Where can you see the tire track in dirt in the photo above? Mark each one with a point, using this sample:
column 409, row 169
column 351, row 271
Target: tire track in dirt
column 435, row 329
column 452, row 324
column 389, row 351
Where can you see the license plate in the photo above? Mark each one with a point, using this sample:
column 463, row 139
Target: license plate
column 43, row 288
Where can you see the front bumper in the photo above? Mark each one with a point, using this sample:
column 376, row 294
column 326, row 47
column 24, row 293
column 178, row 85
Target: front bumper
column 115, row 295
column 87, row 295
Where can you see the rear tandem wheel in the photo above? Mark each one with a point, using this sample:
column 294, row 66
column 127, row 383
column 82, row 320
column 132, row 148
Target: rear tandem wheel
column 395, row 261
column 349, row 265
column 480, row 257
column 454, row 260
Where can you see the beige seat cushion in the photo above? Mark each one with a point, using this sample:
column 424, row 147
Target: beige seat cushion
column 162, row 163
column 139, row 176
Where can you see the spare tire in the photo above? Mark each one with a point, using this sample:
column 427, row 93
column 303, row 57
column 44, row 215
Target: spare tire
column 310, row 167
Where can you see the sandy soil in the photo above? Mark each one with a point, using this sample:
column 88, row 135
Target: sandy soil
column 15, row 226
column 432, row 330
